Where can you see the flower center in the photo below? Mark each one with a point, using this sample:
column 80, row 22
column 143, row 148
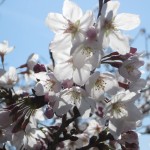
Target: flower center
column 87, row 51
column 129, row 68
column 76, row 95
column 73, row 28
column 108, row 26
column 100, row 84
column 119, row 110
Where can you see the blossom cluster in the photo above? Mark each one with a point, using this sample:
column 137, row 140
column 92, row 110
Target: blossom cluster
column 75, row 103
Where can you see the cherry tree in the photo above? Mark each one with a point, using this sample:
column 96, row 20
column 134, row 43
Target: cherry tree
column 75, row 102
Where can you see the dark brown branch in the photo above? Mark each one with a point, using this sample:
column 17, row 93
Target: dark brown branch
column 100, row 2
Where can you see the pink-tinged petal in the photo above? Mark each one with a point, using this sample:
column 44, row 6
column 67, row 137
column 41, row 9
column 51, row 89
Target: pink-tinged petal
column 126, row 21
column 119, row 42
column 71, row 11
column 86, row 20
column 63, row 71
column 109, row 9
column 80, row 76
column 56, row 22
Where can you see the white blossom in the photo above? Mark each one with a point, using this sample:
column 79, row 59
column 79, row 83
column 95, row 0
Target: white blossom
column 4, row 48
column 110, row 24
column 47, row 84
column 123, row 113
column 100, row 85
column 8, row 78
column 130, row 68
column 74, row 96
column 69, row 26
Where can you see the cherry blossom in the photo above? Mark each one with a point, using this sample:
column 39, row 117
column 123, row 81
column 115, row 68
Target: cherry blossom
column 122, row 111
column 110, row 24
column 76, row 67
column 77, row 101
column 129, row 69
column 100, row 85
column 8, row 78
column 71, row 25
column 28, row 139
column 4, row 49
column 47, row 84
column 75, row 96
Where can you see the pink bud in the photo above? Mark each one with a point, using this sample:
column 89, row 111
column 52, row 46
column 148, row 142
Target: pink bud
column 91, row 33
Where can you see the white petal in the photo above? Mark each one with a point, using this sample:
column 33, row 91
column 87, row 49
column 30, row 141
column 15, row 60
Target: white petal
column 83, row 107
column 63, row 108
column 4, row 49
column 109, row 9
column 41, row 76
column 56, row 22
column 126, row 21
column 119, row 42
column 61, row 43
column 80, row 76
column 39, row 89
column 63, row 71
column 61, row 46
column 90, row 85
column 138, row 85
column 87, row 20
column 133, row 112
column 104, row 40
column 71, row 11
column 91, row 81
column 79, row 58
column 130, row 96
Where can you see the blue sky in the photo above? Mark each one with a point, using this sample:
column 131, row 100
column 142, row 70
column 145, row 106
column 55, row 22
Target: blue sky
column 22, row 23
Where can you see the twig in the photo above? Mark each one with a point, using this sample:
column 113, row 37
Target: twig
column 100, row 2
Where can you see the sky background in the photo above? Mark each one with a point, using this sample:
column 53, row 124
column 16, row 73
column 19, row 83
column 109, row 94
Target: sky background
column 22, row 23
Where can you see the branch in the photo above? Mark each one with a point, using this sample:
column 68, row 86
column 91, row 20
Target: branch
column 65, row 123
column 100, row 2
